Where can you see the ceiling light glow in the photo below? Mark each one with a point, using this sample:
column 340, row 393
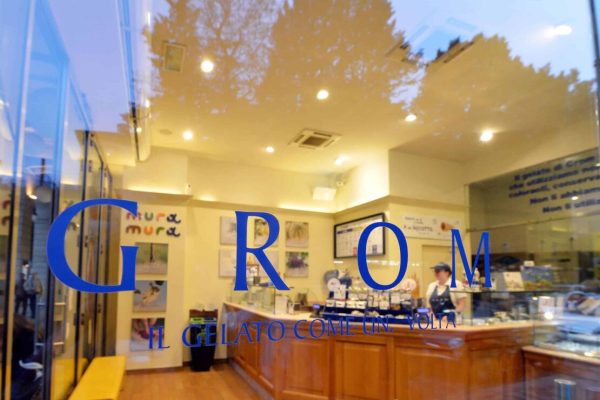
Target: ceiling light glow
column 207, row 66
column 270, row 149
column 322, row 94
column 188, row 135
column 340, row 160
column 410, row 117
column 486, row 135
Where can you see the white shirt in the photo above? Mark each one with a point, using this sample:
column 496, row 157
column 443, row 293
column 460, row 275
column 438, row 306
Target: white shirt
column 455, row 296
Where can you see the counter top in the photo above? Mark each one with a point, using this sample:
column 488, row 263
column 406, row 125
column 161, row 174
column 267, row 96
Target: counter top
column 562, row 354
column 306, row 316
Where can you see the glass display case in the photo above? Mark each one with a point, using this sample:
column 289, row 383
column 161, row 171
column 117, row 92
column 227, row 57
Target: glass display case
column 568, row 322
column 268, row 299
column 491, row 307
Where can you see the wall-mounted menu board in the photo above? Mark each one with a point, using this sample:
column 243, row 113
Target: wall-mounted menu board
column 346, row 235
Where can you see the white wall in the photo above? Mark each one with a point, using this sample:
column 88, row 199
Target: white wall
column 365, row 183
column 424, row 178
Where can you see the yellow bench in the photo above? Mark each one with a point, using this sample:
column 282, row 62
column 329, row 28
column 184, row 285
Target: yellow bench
column 102, row 380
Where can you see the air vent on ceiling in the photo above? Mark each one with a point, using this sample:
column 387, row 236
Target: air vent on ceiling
column 311, row 139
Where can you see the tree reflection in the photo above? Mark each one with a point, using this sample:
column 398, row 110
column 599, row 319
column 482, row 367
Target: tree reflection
column 271, row 58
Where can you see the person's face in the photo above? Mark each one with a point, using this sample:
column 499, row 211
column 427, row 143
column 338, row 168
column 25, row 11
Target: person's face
column 442, row 276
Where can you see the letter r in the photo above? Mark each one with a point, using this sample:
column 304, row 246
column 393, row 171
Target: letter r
column 57, row 260
column 259, row 252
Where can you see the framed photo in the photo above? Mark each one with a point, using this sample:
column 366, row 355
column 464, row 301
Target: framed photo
column 150, row 296
column 261, row 232
column 141, row 328
column 347, row 234
column 227, row 262
column 152, row 258
column 296, row 264
column 228, row 231
column 296, row 234
column 272, row 255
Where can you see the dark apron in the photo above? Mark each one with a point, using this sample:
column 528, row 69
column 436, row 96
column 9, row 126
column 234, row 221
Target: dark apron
column 442, row 302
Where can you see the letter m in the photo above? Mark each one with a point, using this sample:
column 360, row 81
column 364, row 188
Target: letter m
column 470, row 272
column 133, row 229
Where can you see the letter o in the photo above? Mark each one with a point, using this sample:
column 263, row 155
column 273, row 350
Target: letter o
column 311, row 330
column 363, row 268
column 282, row 326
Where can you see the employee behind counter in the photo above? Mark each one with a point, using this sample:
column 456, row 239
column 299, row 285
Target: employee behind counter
column 441, row 297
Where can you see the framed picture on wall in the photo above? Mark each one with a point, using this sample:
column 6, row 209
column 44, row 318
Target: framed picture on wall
column 152, row 258
column 141, row 328
column 296, row 234
column 227, row 262
column 261, row 232
column 150, row 296
column 228, row 231
column 347, row 234
column 272, row 255
column 296, row 264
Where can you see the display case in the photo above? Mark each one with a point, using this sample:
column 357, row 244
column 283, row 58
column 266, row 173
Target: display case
column 491, row 307
column 268, row 299
column 569, row 323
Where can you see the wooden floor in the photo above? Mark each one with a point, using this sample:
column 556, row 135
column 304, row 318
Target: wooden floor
column 220, row 383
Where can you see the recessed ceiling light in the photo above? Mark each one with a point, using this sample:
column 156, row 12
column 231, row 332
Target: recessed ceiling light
column 322, row 94
column 188, row 135
column 207, row 66
column 147, row 103
column 410, row 117
column 562, row 30
column 486, row 135
column 138, row 129
column 32, row 196
column 575, row 198
column 340, row 160
column 270, row 149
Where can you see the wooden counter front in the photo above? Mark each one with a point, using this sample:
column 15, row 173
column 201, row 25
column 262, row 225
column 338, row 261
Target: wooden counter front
column 543, row 366
column 454, row 363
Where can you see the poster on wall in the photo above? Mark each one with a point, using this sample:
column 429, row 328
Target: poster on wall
column 140, row 332
column 152, row 258
column 429, row 226
column 296, row 234
column 228, row 231
column 272, row 255
column 150, row 296
column 227, row 260
column 296, row 264
column 261, row 232
column 347, row 234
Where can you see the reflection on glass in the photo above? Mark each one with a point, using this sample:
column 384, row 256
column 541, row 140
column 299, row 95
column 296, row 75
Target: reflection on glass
column 36, row 208
column 65, row 307
column 90, row 270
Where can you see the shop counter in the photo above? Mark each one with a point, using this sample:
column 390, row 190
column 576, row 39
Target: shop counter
column 543, row 366
column 462, row 362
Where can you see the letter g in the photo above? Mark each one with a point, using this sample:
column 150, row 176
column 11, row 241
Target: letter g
column 57, row 260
